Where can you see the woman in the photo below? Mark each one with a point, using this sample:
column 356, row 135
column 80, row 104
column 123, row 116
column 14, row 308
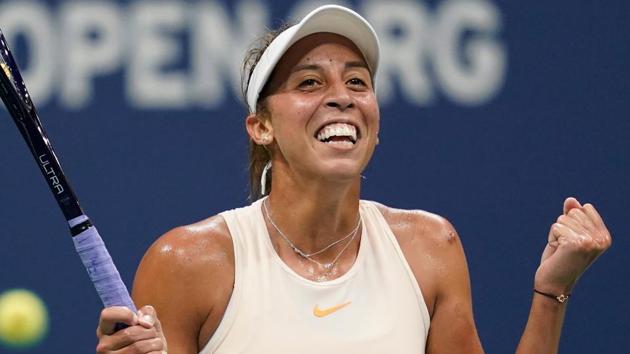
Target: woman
column 312, row 268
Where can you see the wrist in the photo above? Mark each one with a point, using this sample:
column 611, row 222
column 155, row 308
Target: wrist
column 558, row 297
column 553, row 288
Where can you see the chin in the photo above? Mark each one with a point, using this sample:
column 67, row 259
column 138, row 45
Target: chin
column 343, row 171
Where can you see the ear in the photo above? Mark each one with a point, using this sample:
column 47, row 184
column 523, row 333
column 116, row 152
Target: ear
column 259, row 130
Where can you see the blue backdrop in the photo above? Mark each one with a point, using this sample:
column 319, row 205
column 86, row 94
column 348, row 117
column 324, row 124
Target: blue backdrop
column 492, row 113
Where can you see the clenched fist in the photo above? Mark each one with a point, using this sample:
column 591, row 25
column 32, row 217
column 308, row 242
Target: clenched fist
column 575, row 240
column 144, row 334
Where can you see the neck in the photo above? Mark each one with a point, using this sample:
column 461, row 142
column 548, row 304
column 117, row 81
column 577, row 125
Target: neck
column 314, row 212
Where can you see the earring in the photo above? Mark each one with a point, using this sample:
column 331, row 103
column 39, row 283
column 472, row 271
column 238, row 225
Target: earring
column 263, row 178
column 266, row 139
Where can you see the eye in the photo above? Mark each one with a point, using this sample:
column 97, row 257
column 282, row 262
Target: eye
column 355, row 81
column 308, row 83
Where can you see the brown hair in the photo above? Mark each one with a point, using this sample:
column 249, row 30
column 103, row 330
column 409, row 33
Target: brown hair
column 259, row 156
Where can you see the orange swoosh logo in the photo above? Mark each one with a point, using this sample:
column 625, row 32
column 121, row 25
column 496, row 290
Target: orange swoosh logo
column 325, row 312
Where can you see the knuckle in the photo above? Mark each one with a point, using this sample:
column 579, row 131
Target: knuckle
column 580, row 243
column 602, row 235
column 127, row 333
column 107, row 314
column 146, row 333
column 157, row 344
column 607, row 241
column 146, row 346
column 589, row 244
column 115, row 314
column 135, row 348
column 555, row 231
column 100, row 348
column 577, row 214
column 152, row 345
column 575, row 243
column 131, row 334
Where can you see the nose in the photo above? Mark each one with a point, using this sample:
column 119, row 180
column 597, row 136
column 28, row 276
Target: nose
column 339, row 97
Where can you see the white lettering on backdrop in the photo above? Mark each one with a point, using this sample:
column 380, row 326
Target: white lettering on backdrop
column 179, row 55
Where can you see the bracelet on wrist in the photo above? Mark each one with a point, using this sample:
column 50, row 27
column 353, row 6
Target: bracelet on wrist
column 562, row 298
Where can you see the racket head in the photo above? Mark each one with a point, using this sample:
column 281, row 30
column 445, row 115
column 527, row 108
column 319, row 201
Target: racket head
column 88, row 242
column 11, row 75
column 18, row 102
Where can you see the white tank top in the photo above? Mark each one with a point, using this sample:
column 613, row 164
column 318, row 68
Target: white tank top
column 376, row 307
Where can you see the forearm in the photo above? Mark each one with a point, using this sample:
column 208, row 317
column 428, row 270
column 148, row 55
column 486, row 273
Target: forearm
column 544, row 325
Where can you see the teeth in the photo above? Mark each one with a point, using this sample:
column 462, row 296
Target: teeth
column 338, row 129
column 347, row 143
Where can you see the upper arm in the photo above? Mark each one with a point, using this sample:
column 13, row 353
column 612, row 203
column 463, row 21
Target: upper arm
column 436, row 257
column 452, row 325
column 185, row 276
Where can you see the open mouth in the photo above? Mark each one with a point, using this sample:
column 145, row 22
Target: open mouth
column 338, row 133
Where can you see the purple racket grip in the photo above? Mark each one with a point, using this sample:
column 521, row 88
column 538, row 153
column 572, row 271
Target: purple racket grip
column 102, row 270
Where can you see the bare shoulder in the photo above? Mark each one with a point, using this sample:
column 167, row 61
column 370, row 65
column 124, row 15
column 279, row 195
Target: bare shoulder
column 188, row 276
column 206, row 242
column 190, row 250
column 431, row 247
column 436, row 257
column 419, row 226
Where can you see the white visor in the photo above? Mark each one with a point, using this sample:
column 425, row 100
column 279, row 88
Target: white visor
column 329, row 18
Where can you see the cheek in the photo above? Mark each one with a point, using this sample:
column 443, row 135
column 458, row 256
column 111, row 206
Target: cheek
column 292, row 106
column 369, row 106
column 302, row 110
column 304, row 105
column 290, row 111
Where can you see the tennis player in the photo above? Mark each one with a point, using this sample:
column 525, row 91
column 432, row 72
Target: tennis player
column 309, row 267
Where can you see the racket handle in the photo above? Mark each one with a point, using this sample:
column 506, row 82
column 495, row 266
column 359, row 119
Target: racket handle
column 101, row 269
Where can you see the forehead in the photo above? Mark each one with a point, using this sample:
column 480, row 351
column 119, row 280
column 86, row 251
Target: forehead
column 318, row 46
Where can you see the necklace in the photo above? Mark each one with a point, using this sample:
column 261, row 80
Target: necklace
column 308, row 256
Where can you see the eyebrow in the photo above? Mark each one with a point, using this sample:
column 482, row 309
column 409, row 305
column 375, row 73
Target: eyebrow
column 303, row 67
column 315, row 67
column 356, row 64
